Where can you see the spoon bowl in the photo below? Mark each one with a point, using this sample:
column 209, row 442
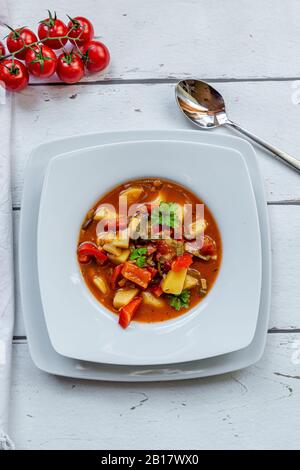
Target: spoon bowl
column 204, row 106
column 201, row 103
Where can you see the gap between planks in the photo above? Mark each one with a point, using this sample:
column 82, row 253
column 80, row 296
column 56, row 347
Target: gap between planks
column 170, row 80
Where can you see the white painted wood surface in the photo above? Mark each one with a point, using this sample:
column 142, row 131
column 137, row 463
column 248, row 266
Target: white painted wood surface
column 172, row 38
column 265, row 108
column 254, row 408
column 251, row 50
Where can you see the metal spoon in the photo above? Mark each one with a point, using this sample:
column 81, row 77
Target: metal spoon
column 205, row 107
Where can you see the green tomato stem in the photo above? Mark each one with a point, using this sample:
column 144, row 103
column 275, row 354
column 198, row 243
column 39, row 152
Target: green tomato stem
column 41, row 41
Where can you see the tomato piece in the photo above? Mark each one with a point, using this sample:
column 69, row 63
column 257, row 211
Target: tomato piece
column 128, row 312
column 182, row 262
column 164, row 264
column 152, row 271
column 90, row 250
column 116, row 275
column 54, row 28
column 17, row 39
column 95, row 56
column 137, row 275
column 81, row 30
column 2, row 50
column 157, row 290
column 41, row 61
column 162, row 247
column 13, row 75
column 70, row 68
column 208, row 247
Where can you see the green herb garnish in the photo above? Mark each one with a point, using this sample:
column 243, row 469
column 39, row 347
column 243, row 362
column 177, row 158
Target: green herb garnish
column 138, row 255
column 180, row 301
column 140, row 262
column 166, row 214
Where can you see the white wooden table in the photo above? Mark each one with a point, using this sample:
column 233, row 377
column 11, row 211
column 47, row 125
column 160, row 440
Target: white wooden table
column 250, row 49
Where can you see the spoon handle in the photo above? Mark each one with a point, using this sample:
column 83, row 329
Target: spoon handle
column 283, row 156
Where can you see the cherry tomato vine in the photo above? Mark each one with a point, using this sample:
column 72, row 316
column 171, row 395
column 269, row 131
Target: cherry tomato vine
column 28, row 53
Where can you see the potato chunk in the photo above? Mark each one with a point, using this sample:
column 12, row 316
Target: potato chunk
column 101, row 284
column 174, row 281
column 122, row 240
column 133, row 194
column 190, row 282
column 150, row 299
column 105, row 237
column 124, row 296
column 104, row 213
column 121, row 258
column 113, row 250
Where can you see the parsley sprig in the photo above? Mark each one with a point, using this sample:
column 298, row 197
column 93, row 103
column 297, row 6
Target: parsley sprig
column 180, row 301
column 166, row 214
column 138, row 255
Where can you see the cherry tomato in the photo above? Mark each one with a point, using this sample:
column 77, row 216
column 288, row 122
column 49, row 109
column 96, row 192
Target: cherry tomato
column 52, row 27
column 41, row 61
column 81, row 29
column 2, row 49
column 95, row 56
column 18, row 38
column 70, row 68
column 13, row 75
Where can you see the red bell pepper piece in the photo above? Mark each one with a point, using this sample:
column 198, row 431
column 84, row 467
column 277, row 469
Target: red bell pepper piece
column 116, row 275
column 157, row 290
column 88, row 250
column 182, row 262
column 139, row 276
column 83, row 259
column 127, row 312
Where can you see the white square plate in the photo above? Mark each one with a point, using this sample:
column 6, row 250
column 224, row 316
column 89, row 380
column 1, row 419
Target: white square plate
column 78, row 325
column 42, row 352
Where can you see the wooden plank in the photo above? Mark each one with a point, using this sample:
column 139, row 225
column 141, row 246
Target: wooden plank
column 46, row 113
column 248, row 409
column 207, row 38
column 285, row 227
